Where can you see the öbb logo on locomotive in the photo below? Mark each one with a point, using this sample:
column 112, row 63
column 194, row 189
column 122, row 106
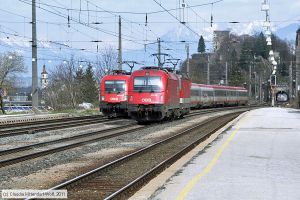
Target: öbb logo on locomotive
column 146, row 100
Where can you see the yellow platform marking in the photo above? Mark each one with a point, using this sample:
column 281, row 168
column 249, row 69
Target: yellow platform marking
column 210, row 165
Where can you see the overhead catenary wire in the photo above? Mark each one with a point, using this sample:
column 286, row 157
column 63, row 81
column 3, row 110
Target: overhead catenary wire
column 55, row 42
column 127, row 12
column 176, row 18
column 87, row 25
column 135, row 40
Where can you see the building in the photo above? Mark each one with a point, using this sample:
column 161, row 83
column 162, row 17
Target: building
column 44, row 78
column 219, row 37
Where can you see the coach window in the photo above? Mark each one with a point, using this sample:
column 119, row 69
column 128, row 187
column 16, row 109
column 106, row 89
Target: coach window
column 194, row 92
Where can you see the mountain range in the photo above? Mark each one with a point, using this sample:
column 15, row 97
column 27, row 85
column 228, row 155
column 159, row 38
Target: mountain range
column 173, row 43
column 288, row 32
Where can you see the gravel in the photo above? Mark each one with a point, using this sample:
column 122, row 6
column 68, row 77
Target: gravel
column 26, row 139
column 52, row 169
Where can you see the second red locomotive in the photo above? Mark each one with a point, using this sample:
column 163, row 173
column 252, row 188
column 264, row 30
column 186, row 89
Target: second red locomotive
column 114, row 94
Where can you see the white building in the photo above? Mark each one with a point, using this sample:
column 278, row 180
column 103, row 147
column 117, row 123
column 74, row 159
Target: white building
column 44, row 79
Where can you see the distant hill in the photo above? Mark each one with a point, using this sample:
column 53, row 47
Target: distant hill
column 288, row 32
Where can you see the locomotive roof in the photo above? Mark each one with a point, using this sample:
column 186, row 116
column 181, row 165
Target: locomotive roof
column 155, row 70
column 116, row 77
column 120, row 72
column 219, row 87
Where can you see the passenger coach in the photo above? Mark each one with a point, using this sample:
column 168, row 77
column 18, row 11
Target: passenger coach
column 217, row 95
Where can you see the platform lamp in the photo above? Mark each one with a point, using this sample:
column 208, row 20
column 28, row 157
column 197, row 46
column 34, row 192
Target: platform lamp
column 268, row 33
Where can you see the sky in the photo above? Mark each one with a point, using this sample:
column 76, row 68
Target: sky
column 95, row 20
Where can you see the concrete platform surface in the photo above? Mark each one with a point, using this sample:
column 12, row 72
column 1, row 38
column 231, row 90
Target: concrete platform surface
column 257, row 158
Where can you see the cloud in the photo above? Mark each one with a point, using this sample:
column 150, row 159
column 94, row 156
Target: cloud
column 208, row 31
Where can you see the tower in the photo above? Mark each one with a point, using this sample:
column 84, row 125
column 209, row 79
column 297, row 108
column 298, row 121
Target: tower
column 44, row 79
column 44, row 84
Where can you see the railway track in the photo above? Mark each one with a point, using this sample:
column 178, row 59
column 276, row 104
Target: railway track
column 120, row 178
column 212, row 110
column 9, row 130
column 30, row 128
column 28, row 152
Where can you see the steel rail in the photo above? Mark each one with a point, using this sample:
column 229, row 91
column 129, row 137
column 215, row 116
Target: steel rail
column 93, row 173
column 47, row 127
column 61, row 140
column 147, row 176
column 76, row 137
column 104, row 135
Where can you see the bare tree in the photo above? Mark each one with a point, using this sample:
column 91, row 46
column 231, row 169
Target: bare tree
column 106, row 62
column 11, row 63
column 62, row 90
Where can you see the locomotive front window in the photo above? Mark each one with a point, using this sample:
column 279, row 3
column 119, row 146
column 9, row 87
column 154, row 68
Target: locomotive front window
column 114, row 86
column 147, row 84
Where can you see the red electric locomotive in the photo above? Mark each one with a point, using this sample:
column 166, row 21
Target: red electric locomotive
column 114, row 94
column 156, row 93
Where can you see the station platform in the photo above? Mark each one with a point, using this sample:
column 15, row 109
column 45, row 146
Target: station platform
column 20, row 118
column 257, row 157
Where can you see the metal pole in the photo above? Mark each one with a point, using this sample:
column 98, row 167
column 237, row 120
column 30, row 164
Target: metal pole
column 250, row 87
column 35, row 100
column 159, row 53
column 273, row 96
column 226, row 73
column 208, row 70
column 297, row 68
column 120, row 45
column 260, row 89
column 255, row 85
column 291, row 80
column 187, row 59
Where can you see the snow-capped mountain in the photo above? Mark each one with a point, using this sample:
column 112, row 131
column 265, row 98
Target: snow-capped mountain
column 288, row 32
column 171, row 43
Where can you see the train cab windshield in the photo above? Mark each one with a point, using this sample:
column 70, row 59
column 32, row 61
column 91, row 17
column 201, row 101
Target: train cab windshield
column 147, row 84
column 117, row 86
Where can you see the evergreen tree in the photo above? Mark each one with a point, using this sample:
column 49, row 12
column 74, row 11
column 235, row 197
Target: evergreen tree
column 79, row 81
column 201, row 45
column 90, row 90
column 246, row 56
column 235, row 74
column 260, row 47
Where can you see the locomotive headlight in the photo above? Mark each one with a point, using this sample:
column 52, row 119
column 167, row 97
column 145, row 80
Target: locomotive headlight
column 131, row 98
column 102, row 98
column 125, row 97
